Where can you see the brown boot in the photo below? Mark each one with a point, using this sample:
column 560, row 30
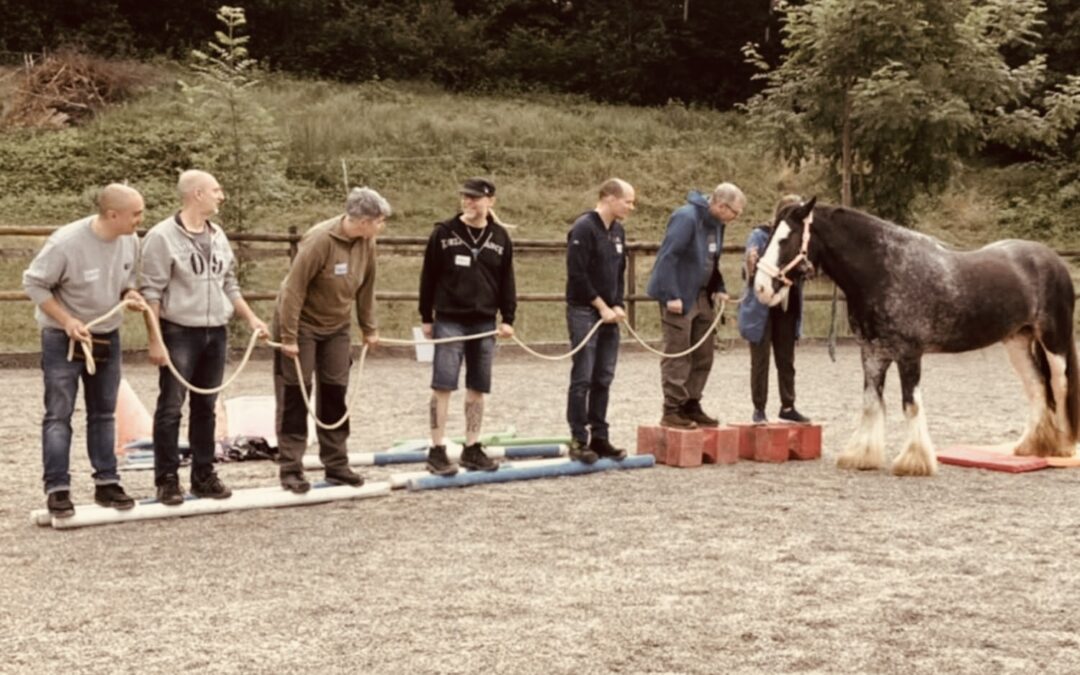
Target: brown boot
column 692, row 410
column 676, row 420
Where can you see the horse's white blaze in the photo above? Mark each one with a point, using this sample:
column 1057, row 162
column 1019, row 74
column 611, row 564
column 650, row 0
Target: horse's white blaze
column 763, row 287
column 866, row 448
column 917, row 458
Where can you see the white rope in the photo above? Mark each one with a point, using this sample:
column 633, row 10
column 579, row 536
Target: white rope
column 685, row 352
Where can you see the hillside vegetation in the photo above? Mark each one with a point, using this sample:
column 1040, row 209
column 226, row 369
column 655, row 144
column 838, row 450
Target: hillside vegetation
column 415, row 143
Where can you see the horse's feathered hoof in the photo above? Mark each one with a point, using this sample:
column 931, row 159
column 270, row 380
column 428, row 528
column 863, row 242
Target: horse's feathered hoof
column 914, row 464
column 858, row 462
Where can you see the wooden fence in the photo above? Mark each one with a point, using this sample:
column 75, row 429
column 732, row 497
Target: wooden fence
column 415, row 246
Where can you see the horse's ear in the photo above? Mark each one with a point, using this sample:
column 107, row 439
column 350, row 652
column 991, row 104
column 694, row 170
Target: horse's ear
column 803, row 211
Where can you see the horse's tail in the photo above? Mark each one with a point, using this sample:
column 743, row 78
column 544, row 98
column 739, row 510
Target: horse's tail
column 1072, row 390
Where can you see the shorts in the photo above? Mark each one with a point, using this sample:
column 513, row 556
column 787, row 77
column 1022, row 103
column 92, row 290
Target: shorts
column 477, row 355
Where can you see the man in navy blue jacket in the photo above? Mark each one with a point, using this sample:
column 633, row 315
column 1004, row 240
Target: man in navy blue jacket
column 595, row 269
column 686, row 279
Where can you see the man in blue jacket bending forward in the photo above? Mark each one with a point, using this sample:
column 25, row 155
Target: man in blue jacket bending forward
column 687, row 282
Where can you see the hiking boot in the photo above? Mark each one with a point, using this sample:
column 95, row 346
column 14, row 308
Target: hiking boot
column 793, row 415
column 169, row 492
column 759, row 417
column 295, row 483
column 582, row 453
column 692, row 410
column 676, row 420
column 603, row 448
column 112, row 496
column 474, row 459
column 344, row 476
column 438, row 463
column 59, row 504
column 210, row 486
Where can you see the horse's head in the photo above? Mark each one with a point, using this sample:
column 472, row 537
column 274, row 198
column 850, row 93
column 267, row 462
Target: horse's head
column 785, row 259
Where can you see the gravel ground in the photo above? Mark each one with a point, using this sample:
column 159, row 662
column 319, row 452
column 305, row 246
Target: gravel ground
column 798, row 567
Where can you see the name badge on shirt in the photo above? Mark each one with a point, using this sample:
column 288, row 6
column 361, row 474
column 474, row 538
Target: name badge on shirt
column 92, row 275
column 618, row 247
column 712, row 247
column 341, row 269
column 463, row 261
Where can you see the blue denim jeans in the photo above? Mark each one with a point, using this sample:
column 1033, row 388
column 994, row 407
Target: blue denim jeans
column 199, row 356
column 477, row 354
column 99, row 393
column 592, row 373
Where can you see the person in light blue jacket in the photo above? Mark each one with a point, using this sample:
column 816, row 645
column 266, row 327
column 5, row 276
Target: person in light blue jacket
column 776, row 327
column 687, row 282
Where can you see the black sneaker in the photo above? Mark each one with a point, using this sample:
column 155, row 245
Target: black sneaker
column 59, row 504
column 344, row 476
column 793, row 415
column 112, row 496
column 474, row 459
column 676, row 420
column 692, row 410
column 169, row 492
column 438, row 463
column 295, row 483
column 210, row 486
column 604, row 449
column 582, row 453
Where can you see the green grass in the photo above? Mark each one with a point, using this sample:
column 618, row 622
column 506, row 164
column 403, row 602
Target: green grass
column 415, row 143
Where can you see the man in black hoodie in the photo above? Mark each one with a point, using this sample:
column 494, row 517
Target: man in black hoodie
column 467, row 279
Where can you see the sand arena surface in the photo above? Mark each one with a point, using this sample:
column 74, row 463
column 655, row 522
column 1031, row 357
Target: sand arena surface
column 798, row 567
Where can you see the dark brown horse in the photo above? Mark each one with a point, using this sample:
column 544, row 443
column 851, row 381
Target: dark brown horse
column 907, row 294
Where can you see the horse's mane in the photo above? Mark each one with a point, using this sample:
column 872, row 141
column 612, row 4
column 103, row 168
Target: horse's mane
column 848, row 217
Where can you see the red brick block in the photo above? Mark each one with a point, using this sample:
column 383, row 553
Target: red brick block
column 805, row 442
column 746, row 451
column 771, row 442
column 652, row 441
column 721, row 445
column 684, row 447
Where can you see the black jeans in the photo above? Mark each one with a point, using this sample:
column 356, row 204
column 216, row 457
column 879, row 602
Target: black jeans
column 780, row 335
column 199, row 356
column 592, row 373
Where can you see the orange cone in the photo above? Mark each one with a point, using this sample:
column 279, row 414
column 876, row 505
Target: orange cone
column 133, row 421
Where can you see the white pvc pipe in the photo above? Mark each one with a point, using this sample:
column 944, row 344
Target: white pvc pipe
column 241, row 500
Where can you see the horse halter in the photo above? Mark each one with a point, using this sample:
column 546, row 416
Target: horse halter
column 781, row 274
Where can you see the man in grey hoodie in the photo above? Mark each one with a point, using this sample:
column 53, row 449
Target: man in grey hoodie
column 189, row 281
column 84, row 269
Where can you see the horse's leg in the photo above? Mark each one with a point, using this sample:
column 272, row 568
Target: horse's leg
column 866, row 449
column 1027, row 367
column 917, row 458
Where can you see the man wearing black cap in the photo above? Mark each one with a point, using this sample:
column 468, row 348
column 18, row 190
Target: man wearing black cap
column 467, row 279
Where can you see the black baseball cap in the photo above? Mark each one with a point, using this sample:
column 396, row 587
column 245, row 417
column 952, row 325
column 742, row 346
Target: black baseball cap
column 477, row 187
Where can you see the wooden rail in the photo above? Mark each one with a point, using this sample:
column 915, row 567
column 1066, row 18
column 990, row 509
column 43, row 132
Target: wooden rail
column 415, row 246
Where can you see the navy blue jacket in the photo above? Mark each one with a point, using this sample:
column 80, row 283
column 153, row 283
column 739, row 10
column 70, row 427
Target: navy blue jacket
column 595, row 261
column 679, row 272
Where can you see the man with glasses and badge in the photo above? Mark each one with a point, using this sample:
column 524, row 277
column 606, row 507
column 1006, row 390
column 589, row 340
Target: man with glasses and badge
column 687, row 282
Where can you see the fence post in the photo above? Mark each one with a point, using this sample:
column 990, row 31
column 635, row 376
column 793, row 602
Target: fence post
column 631, row 288
column 294, row 245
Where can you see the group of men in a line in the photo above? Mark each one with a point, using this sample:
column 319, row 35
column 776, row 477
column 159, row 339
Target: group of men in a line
column 183, row 277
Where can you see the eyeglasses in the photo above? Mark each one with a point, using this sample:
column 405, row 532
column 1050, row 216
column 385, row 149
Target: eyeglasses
column 734, row 214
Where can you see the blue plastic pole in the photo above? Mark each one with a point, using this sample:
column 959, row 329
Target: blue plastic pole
column 507, row 474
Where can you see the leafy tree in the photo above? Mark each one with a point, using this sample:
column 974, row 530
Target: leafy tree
column 892, row 92
column 245, row 153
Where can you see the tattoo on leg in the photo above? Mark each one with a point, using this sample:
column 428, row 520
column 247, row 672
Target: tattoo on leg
column 474, row 415
column 434, row 412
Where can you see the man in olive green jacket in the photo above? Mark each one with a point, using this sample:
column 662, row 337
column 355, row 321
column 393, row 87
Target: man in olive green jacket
column 334, row 269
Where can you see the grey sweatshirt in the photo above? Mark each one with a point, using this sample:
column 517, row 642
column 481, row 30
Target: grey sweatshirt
column 191, row 290
column 86, row 274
